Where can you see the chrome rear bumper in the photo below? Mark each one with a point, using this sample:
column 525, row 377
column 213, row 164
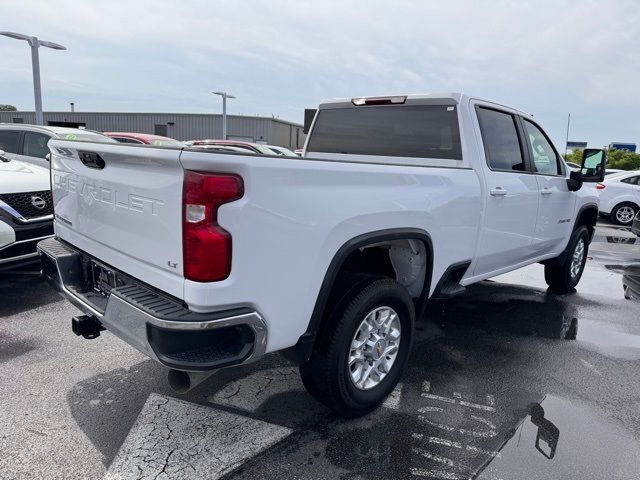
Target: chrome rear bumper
column 155, row 324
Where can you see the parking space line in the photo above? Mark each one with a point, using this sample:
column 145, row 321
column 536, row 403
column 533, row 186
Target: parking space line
column 184, row 440
column 393, row 400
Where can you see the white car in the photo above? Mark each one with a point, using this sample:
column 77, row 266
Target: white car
column 25, row 213
column 620, row 197
column 28, row 143
column 217, row 259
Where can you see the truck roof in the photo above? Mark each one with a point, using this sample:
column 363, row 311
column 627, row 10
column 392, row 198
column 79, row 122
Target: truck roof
column 449, row 98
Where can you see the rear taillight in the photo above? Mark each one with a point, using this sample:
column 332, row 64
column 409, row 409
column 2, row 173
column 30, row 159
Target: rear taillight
column 600, row 186
column 206, row 246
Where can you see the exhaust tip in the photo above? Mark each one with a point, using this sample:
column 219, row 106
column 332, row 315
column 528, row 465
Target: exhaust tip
column 179, row 381
column 182, row 382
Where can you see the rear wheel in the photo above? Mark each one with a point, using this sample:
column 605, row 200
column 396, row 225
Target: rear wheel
column 359, row 356
column 624, row 213
column 563, row 277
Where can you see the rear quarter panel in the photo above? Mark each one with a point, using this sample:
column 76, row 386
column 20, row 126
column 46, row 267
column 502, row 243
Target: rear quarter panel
column 297, row 213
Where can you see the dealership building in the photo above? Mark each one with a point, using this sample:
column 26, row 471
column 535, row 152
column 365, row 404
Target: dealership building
column 181, row 126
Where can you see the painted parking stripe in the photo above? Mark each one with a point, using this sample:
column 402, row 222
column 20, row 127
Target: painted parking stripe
column 175, row 439
column 393, row 400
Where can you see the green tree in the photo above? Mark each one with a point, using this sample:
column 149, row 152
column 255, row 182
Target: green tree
column 574, row 157
column 620, row 159
column 623, row 160
column 8, row 108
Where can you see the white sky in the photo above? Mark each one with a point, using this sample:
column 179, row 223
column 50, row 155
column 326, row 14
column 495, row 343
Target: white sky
column 278, row 57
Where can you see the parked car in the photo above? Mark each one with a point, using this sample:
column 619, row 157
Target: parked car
column 25, row 213
column 251, row 147
column 28, row 143
column 211, row 263
column 613, row 171
column 620, row 197
column 144, row 139
column 298, row 152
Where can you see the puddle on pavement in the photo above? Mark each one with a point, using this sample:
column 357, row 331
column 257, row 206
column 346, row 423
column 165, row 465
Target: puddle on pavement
column 514, row 310
column 608, row 341
column 553, row 439
column 566, row 442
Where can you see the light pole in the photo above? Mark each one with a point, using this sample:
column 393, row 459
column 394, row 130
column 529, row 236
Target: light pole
column 567, row 139
column 224, row 96
column 35, row 44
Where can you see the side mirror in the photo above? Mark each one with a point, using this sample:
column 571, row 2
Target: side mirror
column 591, row 170
column 3, row 156
column 47, row 157
column 593, row 165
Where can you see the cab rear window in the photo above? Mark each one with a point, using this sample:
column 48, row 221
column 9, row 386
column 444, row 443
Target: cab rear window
column 419, row 131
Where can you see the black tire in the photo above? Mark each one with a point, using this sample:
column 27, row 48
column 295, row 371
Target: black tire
column 326, row 375
column 614, row 213
column 559, row 275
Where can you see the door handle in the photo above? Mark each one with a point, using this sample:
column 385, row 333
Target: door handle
column 498, row 192
column 546, row 191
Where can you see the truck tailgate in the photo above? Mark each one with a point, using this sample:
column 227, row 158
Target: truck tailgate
column 123, row 205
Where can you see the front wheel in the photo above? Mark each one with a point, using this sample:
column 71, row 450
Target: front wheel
column 359, row 356
column 563, row 277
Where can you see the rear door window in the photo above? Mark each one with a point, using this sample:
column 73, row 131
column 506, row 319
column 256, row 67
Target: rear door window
column 631, row 180
column 9, row 140
column 501, row 140
column 420, row 131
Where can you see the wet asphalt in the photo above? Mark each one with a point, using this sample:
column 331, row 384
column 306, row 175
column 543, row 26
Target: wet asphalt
column 506, row 381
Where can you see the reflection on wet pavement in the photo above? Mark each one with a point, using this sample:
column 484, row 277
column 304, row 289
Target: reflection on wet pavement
column 585, row 447
column 631, row 282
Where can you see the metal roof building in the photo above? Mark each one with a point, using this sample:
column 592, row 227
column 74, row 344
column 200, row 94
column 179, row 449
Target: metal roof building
column 181, row 126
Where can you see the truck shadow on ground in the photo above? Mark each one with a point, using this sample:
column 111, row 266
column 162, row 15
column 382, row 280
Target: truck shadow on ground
column 19, row 293
column 460, row 352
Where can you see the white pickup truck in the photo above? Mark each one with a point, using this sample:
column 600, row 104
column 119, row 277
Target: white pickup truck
column 204, row 260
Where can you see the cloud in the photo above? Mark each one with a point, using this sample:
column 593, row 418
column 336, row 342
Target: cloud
column 546, row 57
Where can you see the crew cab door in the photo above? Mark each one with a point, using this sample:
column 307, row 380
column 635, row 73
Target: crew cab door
column 557, row 203
column 511, row 193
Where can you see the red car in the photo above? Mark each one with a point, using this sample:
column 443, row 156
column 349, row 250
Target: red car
column 144, row 139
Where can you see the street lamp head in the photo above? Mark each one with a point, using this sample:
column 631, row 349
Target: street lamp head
column 17, row 36
column 33, row 40
column 224, row 94
column 55, row 46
